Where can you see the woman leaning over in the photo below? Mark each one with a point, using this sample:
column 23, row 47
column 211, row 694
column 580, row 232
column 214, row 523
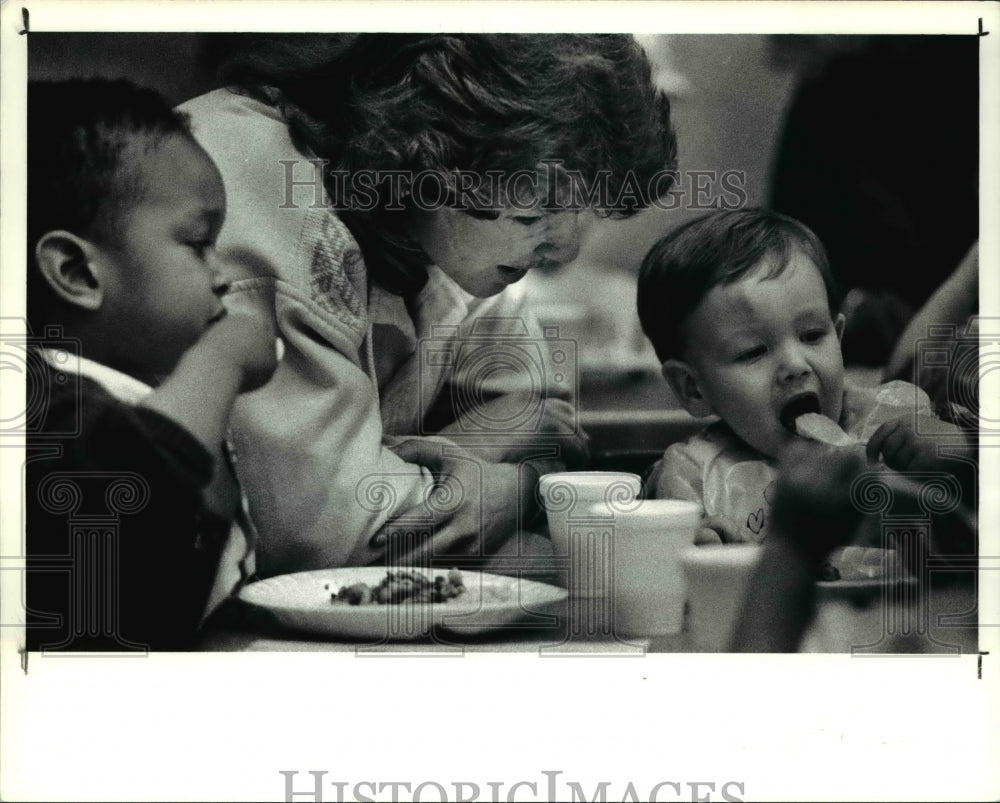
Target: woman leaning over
column 387, row 192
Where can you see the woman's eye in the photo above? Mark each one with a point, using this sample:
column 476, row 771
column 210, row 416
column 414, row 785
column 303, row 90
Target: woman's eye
column 751, row 354
column 482, row 214
column 527, row 220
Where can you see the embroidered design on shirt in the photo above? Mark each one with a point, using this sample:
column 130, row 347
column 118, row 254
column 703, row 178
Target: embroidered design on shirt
column 334, row 259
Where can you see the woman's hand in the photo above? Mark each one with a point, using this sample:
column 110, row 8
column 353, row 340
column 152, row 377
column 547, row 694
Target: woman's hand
column 481, row 502
column 556, row 427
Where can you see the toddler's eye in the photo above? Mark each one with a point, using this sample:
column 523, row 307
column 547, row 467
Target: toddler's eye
column 751, row 354
column 813, row 335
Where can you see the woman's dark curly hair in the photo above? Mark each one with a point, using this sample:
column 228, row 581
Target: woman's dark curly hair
column 461, row 102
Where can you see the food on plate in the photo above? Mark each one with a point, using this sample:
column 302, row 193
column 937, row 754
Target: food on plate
column 402, row 586
column 820, row 428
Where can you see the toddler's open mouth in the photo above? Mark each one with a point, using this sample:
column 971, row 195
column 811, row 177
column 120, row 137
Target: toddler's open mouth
column 799, row 404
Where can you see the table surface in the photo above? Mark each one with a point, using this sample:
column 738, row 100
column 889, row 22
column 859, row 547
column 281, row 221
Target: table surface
column 899, row 620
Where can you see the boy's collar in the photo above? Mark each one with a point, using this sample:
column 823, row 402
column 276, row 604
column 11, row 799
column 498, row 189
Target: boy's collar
column 122, row 386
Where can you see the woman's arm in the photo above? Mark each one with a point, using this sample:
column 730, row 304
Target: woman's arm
column 310, row 455
column 952, row 303
column 325, row 491
column 516, row 390
column 321, row 484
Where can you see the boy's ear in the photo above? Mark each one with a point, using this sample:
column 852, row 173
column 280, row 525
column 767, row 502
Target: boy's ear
column 684, row 383
column 838, row 325
column 64, row 261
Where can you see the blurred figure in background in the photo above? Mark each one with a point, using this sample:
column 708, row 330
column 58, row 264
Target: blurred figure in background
column 885, row 170
column 952, row 384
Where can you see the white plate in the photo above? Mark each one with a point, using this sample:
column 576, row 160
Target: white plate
column 302, row 601
column 863, row 571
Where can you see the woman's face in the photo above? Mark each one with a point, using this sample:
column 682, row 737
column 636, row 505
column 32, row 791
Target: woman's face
column 486, row 251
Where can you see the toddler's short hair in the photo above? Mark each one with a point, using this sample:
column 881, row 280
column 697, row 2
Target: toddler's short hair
column 79, row 173
column 717, row 248
column 85, row 137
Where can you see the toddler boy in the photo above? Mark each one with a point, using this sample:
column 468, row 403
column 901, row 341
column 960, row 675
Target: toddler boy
column 130, row 498
column 742, row 310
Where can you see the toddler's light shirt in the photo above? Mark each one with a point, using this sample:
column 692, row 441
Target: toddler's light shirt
column 734, row 483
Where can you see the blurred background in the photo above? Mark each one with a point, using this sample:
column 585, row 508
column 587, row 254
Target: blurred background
column 870, row 140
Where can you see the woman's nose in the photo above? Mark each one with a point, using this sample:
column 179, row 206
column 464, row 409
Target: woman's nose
column 218, row 276
column 562, row 237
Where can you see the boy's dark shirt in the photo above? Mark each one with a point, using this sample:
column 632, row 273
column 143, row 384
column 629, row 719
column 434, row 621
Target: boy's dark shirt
column 139, row 476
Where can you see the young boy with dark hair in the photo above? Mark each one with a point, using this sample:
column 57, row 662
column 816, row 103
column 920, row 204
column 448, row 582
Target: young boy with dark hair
column 130, row 498
column 742, row 309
